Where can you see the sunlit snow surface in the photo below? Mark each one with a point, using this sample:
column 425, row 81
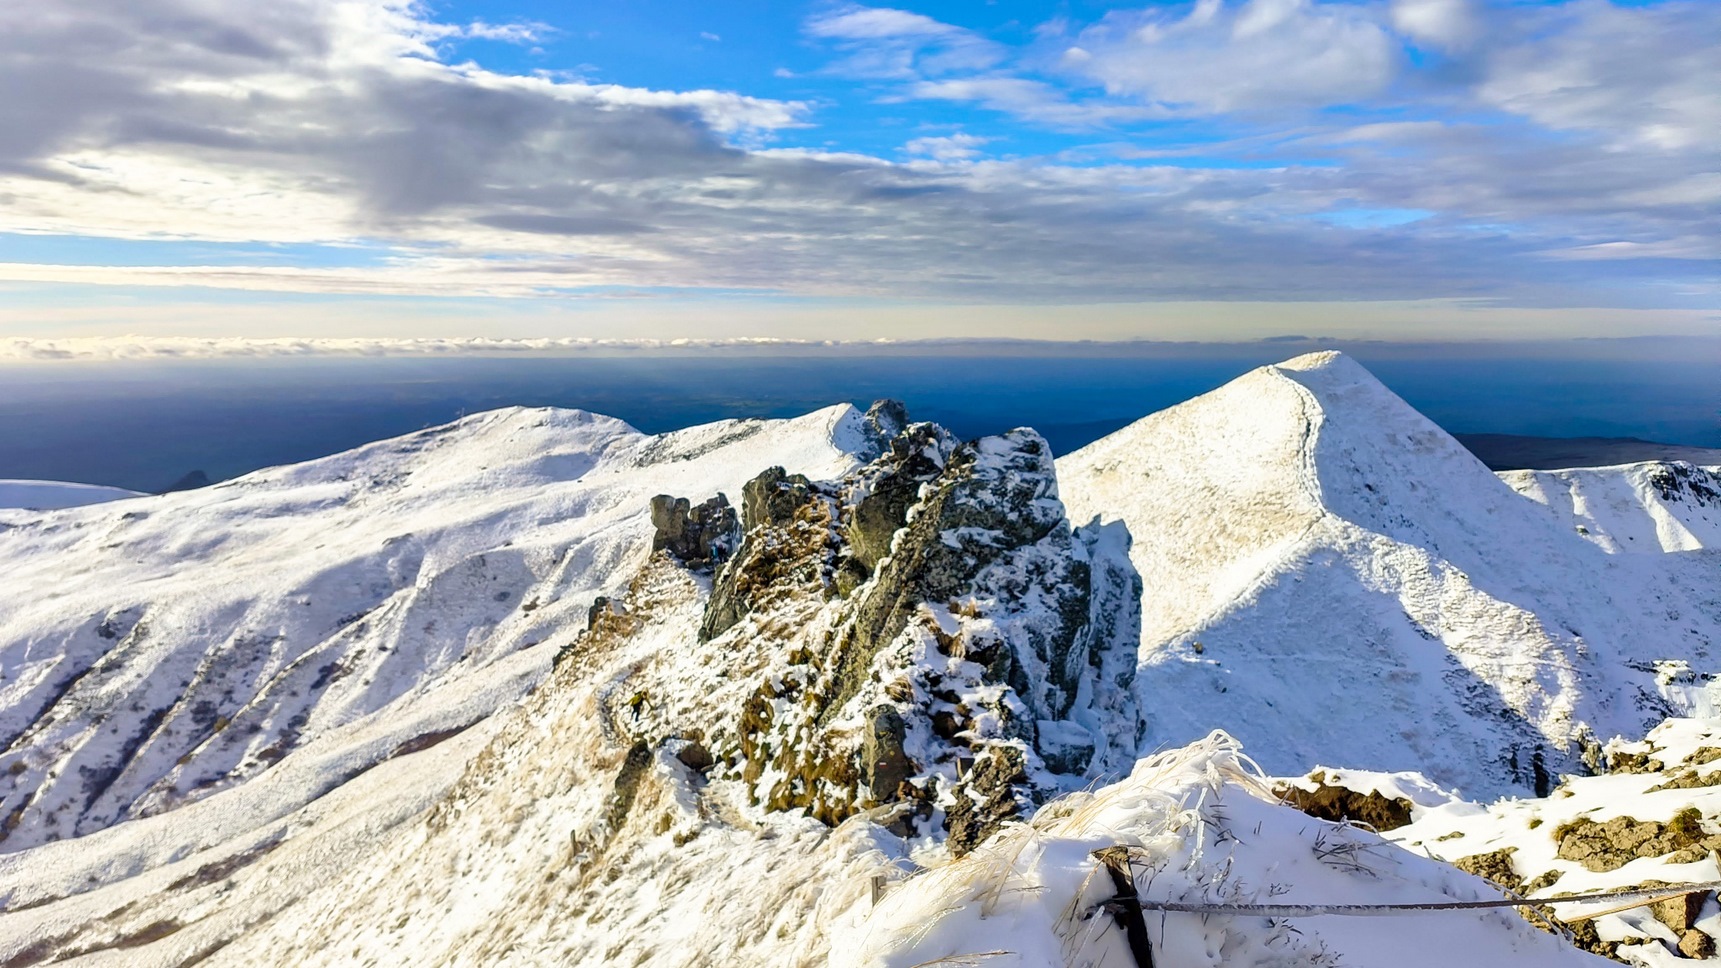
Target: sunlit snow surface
column 290, row 719
column 1334, row 579
column 204, row 663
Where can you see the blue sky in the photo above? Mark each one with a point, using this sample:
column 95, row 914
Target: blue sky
column 1213, row 169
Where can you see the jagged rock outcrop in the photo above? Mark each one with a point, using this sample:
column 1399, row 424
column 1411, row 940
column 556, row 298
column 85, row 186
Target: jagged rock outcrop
column 970, row 635
column 700, row 535
column 789, row 520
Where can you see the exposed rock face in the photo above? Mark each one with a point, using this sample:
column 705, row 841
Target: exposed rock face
column 1613, row 844
column 700, row 536
column 967, row 623
column 786, row 524
column 1678, row 481
column 986, row 798
column 1335, row 803
column 1495, row 866
column 890, row 486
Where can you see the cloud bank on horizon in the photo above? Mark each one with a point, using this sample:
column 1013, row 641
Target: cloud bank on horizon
column 1522, row 155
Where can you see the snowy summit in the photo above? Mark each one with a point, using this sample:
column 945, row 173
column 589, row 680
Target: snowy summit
column 534, row 688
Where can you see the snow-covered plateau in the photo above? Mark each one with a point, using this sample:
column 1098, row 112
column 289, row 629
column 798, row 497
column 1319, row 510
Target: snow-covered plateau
column 534, row 688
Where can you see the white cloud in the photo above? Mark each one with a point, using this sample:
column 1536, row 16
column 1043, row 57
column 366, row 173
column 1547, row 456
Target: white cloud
column 202, row 348
column 1445, row 24
column 1252, row 56
column 1030, row 100
column 331, row 120
column 513, row 33
column 878, row 23
column 1642, row 77
column 954, row 147
column 880, row 42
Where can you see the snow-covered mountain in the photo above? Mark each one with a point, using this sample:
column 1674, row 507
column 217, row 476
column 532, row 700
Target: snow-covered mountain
column 53, row 495
column 156, row 652
column 530, row 689
column 1335, row 579
column 1644, row 508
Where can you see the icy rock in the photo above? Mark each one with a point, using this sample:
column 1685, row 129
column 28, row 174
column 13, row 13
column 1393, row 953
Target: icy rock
column 699, row 535
column 787, row 519
column 991, row 634
column 986, row 798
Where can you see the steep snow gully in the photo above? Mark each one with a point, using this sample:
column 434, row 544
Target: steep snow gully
column 528, row 689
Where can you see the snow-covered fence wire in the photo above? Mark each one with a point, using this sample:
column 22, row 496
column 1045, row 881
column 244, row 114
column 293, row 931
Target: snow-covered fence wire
column 1640, row 897
column 1127, row 907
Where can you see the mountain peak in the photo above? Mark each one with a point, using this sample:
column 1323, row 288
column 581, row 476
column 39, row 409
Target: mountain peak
column 1304, row 525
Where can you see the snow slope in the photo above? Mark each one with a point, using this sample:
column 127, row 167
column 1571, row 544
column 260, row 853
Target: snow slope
column 261, row 642
column 1649, row 507
column 52, row 495
column 564, row 845
column 1335, row 579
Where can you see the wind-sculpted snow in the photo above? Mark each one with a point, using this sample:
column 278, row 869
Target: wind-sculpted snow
column 1335, row 579
column 1645, row 508
column 158, row 651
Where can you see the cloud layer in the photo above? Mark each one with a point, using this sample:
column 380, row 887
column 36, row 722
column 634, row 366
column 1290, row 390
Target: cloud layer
column 1558, row 155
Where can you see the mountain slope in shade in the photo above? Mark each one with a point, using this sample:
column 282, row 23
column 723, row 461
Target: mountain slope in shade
column 1649, row 507
column 54, row 495
column 156, row 652
column 1335, row 579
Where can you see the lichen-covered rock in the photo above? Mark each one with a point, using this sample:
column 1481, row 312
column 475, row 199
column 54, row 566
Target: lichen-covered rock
column 699, row 536
column 986, row 798
column 1696, row 945
column 1494, row 866
column 987, row 627
column 1614, row 843
column 785, row 549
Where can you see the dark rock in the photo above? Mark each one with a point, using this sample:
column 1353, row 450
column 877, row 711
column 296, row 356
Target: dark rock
column 969, row 543
column 772, row 498
column 699, row 536
column 885, row 419
column 884, row 765
column 190, row 482
column 785, row 546
column 1335, row 803
column 891, row 487
column 986, row 798
column 696, row 757
column 626, row 788
column 995, row 495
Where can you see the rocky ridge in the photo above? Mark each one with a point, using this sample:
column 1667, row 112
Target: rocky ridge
column 934, row 642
